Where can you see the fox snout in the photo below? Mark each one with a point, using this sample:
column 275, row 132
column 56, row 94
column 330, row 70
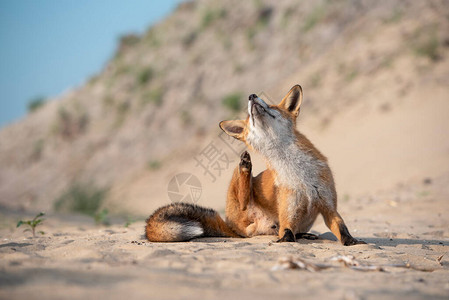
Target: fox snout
column 252, row 97
column 257, row 107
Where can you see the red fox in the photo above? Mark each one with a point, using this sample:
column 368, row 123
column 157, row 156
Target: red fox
column 283, row 200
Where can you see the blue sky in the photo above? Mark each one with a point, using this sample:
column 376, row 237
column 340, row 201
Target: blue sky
column 49, row 46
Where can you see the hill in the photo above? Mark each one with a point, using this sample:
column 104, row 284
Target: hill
column 375, row 76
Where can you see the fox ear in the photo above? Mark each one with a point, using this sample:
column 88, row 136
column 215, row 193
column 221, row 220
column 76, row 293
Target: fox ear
column 234, row 128
column 292, row 101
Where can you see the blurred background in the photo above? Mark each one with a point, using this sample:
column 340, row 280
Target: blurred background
column 105, row 102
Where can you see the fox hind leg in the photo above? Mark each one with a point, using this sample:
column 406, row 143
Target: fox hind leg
column 336, row 224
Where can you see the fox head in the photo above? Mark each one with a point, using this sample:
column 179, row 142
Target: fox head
column 267, row 126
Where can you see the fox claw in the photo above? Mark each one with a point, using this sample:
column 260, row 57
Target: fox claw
column 352, row 242
column 288, row 237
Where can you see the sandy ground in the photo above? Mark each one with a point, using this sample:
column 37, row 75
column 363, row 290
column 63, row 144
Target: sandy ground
column 407, row 231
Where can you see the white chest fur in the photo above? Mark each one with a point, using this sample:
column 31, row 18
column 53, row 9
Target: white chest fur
column 300, row 172
column 296, row 169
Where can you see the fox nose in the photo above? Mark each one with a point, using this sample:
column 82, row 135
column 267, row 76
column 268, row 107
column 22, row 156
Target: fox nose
column 252, row 97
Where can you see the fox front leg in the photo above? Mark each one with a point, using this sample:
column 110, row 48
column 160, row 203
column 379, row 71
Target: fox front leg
column 244, row 180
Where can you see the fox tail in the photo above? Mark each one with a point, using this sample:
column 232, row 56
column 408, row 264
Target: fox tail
column 181, row 222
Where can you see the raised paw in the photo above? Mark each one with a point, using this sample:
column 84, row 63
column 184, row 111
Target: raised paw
column 288, row 237
column 306, row 236
column 245, row 162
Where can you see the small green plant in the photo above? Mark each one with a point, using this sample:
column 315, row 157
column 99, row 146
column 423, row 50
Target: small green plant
column 264, row 17
column 427, row 45
column 154, row 164
column 258, row 3
column 210, row 16
column 313, row 18
column 250, row 34
column 351, row 75
column 145, row 76
column 122, row 69
column 129, row 221
column 35, row 104
column 423, row 194
column 286, row 16
column 186, row 118
column 155, row 96
column 81, row 198
column 33, row 223
column 152, row 38
column 238, row 68
column 101, row 217
column 232, row 102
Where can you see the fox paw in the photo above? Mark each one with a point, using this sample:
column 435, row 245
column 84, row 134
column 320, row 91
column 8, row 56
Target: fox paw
column 245, row 162
column 288, row 237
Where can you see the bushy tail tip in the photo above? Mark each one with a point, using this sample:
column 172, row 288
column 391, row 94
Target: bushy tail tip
column 170, row 231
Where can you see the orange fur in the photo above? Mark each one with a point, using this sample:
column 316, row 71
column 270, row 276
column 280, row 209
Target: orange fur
column 274, row 198
column 285, row 199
